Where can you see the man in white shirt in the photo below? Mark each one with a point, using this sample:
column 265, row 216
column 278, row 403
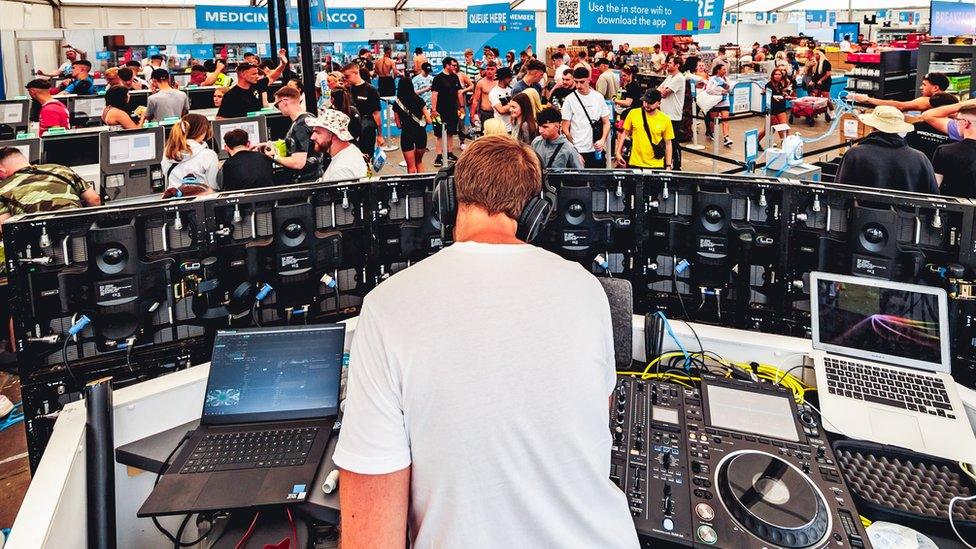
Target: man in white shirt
column 657, row 60
column 561, row 50
column 155, row 62
column 586, row 120
column 673, row 103
column 559, row 66
column 501, row 94
column 845, row 44
column 606, row 84
column 503, row 454
column 330, row 132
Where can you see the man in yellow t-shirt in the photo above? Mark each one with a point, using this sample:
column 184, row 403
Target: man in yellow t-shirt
column 648, row 129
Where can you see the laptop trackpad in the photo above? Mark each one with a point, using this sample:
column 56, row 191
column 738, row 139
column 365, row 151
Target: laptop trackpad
column 230, row 486
column 895, row 428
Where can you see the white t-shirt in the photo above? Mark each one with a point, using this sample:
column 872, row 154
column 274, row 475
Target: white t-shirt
column 579, row 126
column 495, row 98
column 674, row 104
column 657, row 62
column 558, row 73
column 346, row 164
column 503, row 453
column 199, row 165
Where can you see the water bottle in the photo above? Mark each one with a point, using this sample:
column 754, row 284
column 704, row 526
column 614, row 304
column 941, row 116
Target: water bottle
column 598, row 155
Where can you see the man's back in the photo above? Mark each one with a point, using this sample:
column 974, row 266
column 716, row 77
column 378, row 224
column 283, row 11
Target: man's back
column 495, row 393
column 885, row 161
column 167, row 104
column 956, row 163
column 246, row 170
column 41, row 188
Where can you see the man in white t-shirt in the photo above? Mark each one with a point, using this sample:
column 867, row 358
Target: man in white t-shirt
column 559, row 67
column 586, row 120
column 673, row 104
column 657, row 60
column 330, row 133
column 500, row 95
column 456, row 433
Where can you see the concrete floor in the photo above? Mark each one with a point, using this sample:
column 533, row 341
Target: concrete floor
column 691, row 162
column 14, row 469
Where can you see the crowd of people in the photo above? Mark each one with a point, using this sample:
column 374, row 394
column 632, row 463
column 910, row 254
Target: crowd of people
column 564, row 117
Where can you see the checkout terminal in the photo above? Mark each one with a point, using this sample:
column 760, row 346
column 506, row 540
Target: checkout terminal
column 15, row 113
column 70, row 148
column 30, row 147
column 130, row 162
column 85, row 109
column 255, row 126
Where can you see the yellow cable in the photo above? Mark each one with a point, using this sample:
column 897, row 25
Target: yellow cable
column 966, row 469
column 864, row 521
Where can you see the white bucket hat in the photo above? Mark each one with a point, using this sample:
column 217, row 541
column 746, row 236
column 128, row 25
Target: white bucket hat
column 886, row 119
column 335, row 121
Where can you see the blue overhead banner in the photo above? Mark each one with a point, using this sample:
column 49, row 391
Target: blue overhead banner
column 816, row 16
column 440, row 43
column 521, row 21
column 252, row 18
column 488, row 17
column 632, row 16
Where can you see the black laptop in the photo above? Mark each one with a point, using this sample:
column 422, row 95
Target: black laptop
column 271, row 401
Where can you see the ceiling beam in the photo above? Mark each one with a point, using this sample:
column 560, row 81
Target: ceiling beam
column 739, row 5
column 399, row 5
column 516, row 3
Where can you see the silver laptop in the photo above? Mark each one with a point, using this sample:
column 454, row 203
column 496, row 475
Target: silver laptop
column 881, row 353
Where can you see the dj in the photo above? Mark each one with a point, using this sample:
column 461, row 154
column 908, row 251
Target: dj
column 479, row 423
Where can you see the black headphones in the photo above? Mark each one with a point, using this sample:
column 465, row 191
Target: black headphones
column 533, row 219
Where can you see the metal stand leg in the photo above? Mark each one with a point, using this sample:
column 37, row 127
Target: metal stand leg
column 694, row 146
column 389, row 126
column 715, row 145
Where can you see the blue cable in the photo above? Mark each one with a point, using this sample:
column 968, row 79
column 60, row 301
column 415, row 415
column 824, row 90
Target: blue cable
column 667, row 326
column 15, row 416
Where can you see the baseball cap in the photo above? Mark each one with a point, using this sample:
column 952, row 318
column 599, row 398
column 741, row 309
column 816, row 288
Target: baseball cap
column 335, row 121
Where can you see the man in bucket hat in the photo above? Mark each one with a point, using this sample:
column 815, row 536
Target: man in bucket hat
column 884, row 160
column 330, row 132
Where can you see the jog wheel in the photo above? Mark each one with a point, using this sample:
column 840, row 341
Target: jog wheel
column 772, row 499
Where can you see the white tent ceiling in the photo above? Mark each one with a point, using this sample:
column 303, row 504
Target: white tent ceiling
column 535, row 5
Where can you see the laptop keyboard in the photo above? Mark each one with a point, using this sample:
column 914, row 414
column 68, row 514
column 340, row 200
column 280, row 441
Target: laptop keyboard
column 251, row 450
column 905, row 390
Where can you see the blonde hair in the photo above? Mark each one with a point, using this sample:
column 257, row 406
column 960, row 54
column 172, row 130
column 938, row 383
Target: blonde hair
column 494, row 126
column 535, row 99
column 192, row 126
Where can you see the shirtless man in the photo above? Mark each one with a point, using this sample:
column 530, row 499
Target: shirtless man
column 386, row 72
column 418, row 60
column 481, row 91
column 467, row 89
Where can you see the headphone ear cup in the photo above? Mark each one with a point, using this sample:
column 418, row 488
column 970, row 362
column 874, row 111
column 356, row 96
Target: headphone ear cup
column 533, row 219
column 445, row 201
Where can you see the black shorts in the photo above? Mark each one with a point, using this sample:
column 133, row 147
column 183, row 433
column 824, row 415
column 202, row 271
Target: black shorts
column 450, row 122
column 719, row 109
column 413, row 138
column 387, row 86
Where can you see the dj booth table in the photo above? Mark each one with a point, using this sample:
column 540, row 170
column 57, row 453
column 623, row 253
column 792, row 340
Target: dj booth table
column 54, row 511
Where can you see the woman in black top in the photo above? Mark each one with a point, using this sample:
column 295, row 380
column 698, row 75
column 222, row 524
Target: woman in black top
column 342, row 101
column 116, row 112
column 782, row 91
column 820, row 78
column 411, row 117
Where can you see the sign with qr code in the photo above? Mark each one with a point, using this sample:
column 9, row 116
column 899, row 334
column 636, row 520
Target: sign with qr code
column 634, row 16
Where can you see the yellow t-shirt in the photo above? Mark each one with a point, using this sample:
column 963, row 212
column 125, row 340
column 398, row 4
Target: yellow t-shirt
column 641, row 153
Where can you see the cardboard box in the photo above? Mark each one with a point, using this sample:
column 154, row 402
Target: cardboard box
column 851, row 128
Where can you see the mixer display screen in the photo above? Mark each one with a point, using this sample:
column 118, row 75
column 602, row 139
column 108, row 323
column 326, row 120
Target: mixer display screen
column 667, row 415
column 749, row 412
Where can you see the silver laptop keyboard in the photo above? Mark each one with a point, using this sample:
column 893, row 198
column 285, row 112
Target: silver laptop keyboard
column 905, row 390
column 251, row 450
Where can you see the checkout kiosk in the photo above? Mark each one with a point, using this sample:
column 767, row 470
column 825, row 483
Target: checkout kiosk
column 85, row 110
column 15, row 113
column 30, row 147
column 255, row 126
column 130, row 162
column 201, row 97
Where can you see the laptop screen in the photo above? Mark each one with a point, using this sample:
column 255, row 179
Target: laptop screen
column 274, row 374
column 891, row 322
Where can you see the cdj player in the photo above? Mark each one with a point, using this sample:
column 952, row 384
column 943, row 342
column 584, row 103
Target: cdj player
column 733, row 464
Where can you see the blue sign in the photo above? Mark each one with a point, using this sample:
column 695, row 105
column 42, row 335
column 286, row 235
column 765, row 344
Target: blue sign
column 152, row 50
column 488, row 17
column 631, row 16
column 521, row 21
column 759, row 16
column 772, row 17
column 196, row 51
column 832, row 19
column 252, row 18
column 440, row 43
column 952, row 18
column 816, row 16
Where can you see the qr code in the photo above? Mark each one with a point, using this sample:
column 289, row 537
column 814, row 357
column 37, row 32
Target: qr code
column 568, row 13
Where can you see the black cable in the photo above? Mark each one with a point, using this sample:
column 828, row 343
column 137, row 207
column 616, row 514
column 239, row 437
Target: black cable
column 159, row 475
column 179, row 533
column 64, row 355
column 338, row 307
column 788, row 372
